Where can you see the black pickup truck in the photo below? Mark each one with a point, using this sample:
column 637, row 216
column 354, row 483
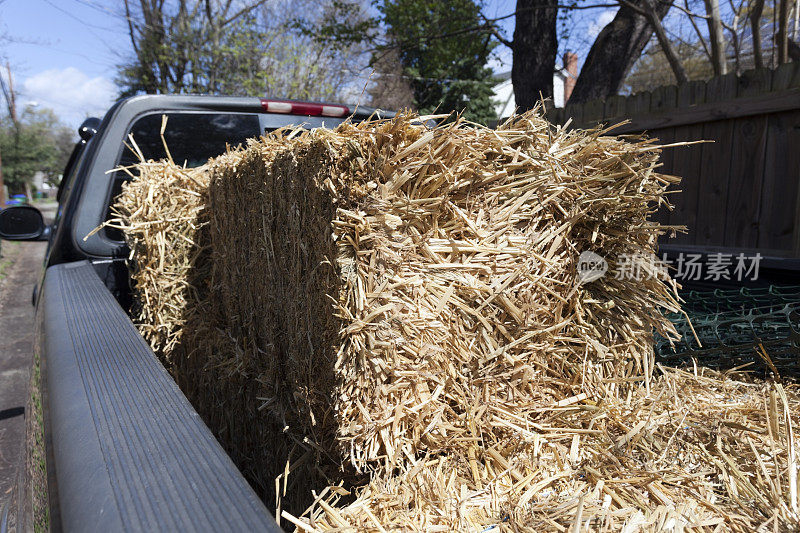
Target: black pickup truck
column 123, row 448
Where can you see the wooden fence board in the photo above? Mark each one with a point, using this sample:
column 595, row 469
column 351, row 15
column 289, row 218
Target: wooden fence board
column 614, row 108
column 745, row 181
column 754, row 82
column 712, row 191
column 665, row 136
column 593, row 110
column 716, row 110
column 638, row 104
column 574, row 112
column 715, row 167
column 779, row 199
column 664, row 99
column 691, row 93
column 686, row 162
column 786, row 76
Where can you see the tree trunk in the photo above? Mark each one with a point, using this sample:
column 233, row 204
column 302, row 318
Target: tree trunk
column 716, row 37
column 737, row 52
column 534, row 51
column 783, row 32
column 614, row 52
column 755, row 25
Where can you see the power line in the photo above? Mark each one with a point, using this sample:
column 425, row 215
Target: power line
column 78, row 19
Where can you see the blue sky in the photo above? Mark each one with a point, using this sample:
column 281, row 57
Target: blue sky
column 63, row 53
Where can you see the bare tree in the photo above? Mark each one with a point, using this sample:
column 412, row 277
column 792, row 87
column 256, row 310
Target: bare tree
column 236, row 47
column 733, row 29
column 615, row 50
column 756, row 12
column 391, row 88
column 617, row 47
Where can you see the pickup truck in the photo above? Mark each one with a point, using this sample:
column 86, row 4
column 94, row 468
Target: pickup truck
column 122, row 447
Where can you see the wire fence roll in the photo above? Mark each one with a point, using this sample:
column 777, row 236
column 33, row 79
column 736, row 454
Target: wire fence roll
column 758, row 329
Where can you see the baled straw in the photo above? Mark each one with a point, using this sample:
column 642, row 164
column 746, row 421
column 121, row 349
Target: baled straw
column 394, row 311
column 162, row 207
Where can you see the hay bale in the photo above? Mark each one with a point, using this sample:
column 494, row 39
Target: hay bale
column 161, row 210
column 703, row 451
column 396, row 310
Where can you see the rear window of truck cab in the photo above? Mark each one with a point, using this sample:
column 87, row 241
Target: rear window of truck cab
column 192, row 138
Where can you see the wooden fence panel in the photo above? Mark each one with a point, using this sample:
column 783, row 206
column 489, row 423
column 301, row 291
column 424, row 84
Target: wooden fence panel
column 742, row 190
column 665, row 137
column 715, row 163
column 786, row 76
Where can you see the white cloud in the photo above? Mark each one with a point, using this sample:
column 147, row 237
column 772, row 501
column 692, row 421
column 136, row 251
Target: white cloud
column 600, row 22
column 70, row 93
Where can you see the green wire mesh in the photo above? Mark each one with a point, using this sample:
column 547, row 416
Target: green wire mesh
column 731, row 324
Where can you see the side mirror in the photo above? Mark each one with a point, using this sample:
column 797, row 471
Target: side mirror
column 21, row 223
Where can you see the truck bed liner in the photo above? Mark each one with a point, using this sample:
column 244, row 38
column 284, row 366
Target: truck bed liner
column 130, row 452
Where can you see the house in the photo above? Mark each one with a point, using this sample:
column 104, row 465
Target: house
column 42, row 186
column 563, row 83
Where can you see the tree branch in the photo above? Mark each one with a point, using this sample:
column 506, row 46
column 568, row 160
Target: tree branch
column 242, row 12
column 653, row 19
column 716, row 37
column 569, row 7
column 782, row 37
column 493, row 30
column 130, row 27
column 697, row 30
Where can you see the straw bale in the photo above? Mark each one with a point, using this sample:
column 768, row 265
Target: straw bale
column 163, row 208
column 386, row 321
column 697, row 452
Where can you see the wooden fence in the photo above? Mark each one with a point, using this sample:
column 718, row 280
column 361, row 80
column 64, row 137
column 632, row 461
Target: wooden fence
column 741, row 192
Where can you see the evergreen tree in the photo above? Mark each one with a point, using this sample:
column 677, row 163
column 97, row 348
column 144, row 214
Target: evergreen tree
column 445, row 65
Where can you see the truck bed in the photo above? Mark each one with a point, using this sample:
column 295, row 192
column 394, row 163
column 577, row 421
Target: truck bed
column 129, row 451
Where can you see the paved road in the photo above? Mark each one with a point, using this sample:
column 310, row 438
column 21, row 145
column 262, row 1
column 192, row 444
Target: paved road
column 16, row 336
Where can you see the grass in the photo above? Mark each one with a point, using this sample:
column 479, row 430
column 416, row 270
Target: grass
column 35, row 460
column 36, row 464
column 7, row 257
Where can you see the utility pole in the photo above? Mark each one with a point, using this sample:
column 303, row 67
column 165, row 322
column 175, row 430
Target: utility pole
column 12, row 97
column 2, row 185
column 11, row 103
